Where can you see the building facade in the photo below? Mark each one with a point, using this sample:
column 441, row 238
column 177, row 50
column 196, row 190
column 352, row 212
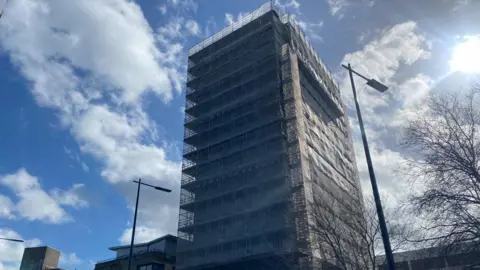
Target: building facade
column 455, row 258
column 158, row 254
column 40, row 258
column 265, row 132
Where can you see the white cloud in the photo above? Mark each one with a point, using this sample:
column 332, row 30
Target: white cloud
column 337, row 6
column 72, row 34
column 85, row 167
column 184, row 5
column 70, row 197
column 157, row 211
column 230, row 19
column 380, row 59
column 76, row 157
column 163, row 9
column 385, row 162
column 142, row 234
column 93, row 62
column 172, row 30
column 410, row 95
column 69, row 259
column 116, row 139
column 11, row 252
column 36, row 204
column 6, row 207
column 210, row 27
column 113, row 45
column 193, row 27
column 458, row 5
column 401, row 43
column 20, row 181
column 289, row 4
column 311, row 29
column 384, row 114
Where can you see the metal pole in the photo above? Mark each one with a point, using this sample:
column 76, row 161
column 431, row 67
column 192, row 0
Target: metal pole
column 373, row 181
column 12, row 240
column 134, row 224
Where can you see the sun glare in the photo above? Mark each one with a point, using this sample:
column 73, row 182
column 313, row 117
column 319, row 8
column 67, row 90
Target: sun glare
column 466, row 55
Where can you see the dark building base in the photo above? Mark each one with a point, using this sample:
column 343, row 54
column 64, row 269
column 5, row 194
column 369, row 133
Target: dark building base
column 287, row 262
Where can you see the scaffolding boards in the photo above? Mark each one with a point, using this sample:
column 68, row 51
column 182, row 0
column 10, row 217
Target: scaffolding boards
column 243, row 193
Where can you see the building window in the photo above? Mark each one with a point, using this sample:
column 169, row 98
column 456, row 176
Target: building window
column 152, row 266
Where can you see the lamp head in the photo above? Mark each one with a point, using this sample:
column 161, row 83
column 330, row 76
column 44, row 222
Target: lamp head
column 163, row 189
column 377, row 85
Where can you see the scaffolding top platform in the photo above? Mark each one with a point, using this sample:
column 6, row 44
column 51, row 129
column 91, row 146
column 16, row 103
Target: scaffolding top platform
column 265, row 8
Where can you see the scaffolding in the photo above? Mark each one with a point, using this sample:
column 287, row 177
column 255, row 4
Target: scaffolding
column 243, row 196
column 324, row 74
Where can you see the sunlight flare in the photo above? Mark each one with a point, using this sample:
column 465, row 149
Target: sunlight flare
column 466, row 55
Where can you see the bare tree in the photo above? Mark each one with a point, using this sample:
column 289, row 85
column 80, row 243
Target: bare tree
column 349, row 234
column 444, row 143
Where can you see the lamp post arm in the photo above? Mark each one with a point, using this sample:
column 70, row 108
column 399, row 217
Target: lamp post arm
column 155, row 187
column 358, row 74
column 11, row 239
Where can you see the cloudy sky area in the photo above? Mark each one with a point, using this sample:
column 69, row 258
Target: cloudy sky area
column 92, row 97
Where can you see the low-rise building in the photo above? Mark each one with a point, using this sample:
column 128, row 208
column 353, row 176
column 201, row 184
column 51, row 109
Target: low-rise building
column 39, row 258
column 158, row 254
column 461, row 257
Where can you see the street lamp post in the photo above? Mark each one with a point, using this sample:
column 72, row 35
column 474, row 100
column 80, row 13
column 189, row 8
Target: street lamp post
column 381, row 217
column 139, row 182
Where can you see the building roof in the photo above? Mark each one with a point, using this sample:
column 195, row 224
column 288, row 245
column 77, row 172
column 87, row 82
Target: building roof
column 165, row 237
column 43, row 247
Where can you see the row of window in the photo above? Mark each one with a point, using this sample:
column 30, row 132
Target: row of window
column 334, row 132
column 237, row 176
column 244, row 219
column 237, row 77
column 210, row 100
column 259, row 46
column 238, row 142
column 321, row 130
column 332, row 188
column 248, row 60
column 251, row 120
column 313, row 95
column 310, row 54
column 339, row 121
column 258, row 152
column 318, row 161
column 335, row 207
column 330, row 153
column 316, row 112
column 207, row 189
column 152, row 266
column 273, row 240
column 238, row 197
column 228, row 114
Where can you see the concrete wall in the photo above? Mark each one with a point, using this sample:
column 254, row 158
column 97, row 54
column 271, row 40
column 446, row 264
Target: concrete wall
column 52, row 257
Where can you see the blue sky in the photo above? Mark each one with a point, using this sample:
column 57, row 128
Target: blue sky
column 92, row 95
